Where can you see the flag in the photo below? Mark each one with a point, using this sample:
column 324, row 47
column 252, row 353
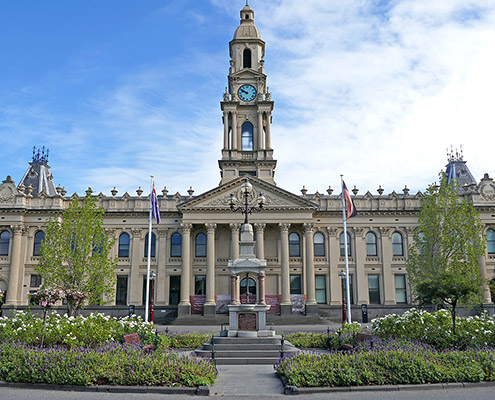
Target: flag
column 350, row 208
column 155, row 211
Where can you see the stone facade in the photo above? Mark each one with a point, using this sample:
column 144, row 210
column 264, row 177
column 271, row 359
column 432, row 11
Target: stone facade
column 299, row 236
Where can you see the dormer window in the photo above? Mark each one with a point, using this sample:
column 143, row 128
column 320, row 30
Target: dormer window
column 246, row 59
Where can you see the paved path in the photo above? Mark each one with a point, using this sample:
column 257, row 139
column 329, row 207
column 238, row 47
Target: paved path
column 247, row 380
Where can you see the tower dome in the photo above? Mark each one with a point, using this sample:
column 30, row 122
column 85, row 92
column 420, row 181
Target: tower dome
column 247, row 29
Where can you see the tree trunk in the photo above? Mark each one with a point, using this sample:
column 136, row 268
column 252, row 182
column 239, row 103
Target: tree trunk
column 453, row 313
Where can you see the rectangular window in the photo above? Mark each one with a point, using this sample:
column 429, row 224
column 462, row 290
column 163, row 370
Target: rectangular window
column 374, row 288
column 35, row 281
column 400, row 289
column 200, row 285
column 121, row 293
column 295, row 284
column 321, row 289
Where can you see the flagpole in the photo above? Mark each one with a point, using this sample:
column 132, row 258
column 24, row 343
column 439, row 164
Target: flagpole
column 347, row 285
column 148, row 268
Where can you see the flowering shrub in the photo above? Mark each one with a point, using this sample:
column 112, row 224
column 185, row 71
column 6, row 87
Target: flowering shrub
column 326, row 339
column 112, row 364
column 75, row 300
column 2, row 297
column 46, row 298
column 91, row 331
column 388, row 363
column 436, row 329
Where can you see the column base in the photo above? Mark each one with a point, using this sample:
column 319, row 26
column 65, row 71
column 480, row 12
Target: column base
column 210, row 310
column 311, row 309
column 285, row 309
column 183, row 310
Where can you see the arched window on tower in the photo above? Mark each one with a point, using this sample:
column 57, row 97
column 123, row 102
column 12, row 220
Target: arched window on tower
column 246, row 58
column 39, row 238
column 247, row 136
column 4, row 243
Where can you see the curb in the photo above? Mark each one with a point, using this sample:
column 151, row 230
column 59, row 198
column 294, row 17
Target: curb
column 198, row 391
column 294, row 390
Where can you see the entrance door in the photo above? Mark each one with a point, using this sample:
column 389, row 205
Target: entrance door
column 174, row 289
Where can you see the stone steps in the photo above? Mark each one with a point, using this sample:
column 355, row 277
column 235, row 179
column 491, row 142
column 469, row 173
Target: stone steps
column 244, row 350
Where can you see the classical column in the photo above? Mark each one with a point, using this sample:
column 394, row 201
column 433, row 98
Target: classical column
column 311, row 305
column 209, row 307
column 16, row 268
column 388, row 289
column 184, row 308
column 285, row 304
column 487, row 298
column 260, row 241
column 359, row 261
column 233, row 290
column 234, row 241
column 135, row 284
column 225, row 130
column 334, row 257
column 268, row 138
column 261, row 278
column 260, row 143
column 161, row 281
column 234, row 131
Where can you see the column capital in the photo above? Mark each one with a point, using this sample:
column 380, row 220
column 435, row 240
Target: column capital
column 359, row 231
column 110, row 231
column 163, row 232
column 259, row 227
column 386, row 231
column 211, row 228
column 284, row 227
column 308, row 227
column 186, row 228
column 18, row 229
column 332, row 232
column 409, row 230
column 235, row 227
column 136, row 232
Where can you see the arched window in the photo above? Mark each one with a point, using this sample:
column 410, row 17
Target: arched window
column 247, row 136
column 39, row 238
column 490, row 241
column 124, row 241
column 176, row 245
column 294, row 248
column 248, row 285
column 153, row 245
column 246, row 58
column 342, row 245
column 397, row 245
column 319, row 244
column 4, row 243
column 371, row 250
column 200, row 245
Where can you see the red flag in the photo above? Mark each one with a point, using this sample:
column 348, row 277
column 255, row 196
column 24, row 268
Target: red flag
column 350, row 208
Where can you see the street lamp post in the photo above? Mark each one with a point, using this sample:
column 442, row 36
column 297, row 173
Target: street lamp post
column 344, row 305
column 245, row 208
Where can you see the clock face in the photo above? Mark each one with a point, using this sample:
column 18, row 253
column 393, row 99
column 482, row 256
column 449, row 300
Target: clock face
column 247, row 93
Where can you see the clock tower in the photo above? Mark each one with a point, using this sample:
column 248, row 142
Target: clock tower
column 247, row 107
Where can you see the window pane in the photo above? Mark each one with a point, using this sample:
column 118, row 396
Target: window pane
column 38, row 242
column 176, row 245
column 200, row 285
column 174, row 289
column 4, row 243
column 124, row 241
column 374, row 289
column 153, row 245
column 200, row 245
column 397, row 247
column 320, row 289
column 371, row 244
column 400, row 289
column 319, row 244
column 490, row 241
column 121, row 293
column 294, row 250
column 295, row 284
column 35, row 281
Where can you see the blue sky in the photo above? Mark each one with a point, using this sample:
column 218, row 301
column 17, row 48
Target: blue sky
column 120, row 90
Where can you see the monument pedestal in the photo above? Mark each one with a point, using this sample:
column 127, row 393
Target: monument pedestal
column 248, row 320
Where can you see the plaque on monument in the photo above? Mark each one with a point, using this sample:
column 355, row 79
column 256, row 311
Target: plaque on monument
column 247, row 322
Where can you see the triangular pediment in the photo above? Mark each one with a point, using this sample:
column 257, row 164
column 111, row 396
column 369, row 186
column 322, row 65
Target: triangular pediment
column 218, row 198
column 247, row 73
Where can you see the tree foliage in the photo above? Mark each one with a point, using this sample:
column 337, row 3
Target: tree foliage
column 443, row 264
column 75, row 255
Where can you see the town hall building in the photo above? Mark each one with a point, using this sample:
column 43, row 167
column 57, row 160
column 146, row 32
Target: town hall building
column 299, row 235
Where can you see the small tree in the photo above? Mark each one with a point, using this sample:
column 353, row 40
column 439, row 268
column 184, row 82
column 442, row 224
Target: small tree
column 443, row 260
column 75, row 256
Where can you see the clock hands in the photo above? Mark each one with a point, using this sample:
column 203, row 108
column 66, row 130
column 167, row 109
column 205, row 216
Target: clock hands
column 245, row 91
